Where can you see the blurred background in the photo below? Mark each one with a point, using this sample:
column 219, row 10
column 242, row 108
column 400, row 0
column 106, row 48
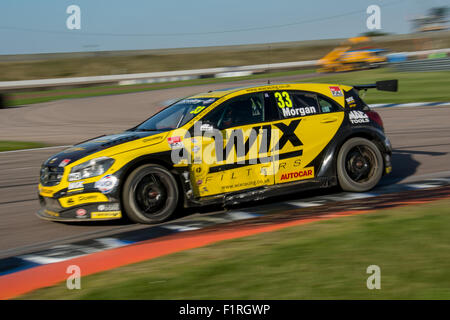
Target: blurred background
column 71, row 70
column 67, row 39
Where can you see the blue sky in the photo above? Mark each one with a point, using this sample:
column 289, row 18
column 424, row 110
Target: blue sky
column 28, row 26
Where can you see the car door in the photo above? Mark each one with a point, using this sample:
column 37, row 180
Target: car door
column 233, row 152
column 309, row 122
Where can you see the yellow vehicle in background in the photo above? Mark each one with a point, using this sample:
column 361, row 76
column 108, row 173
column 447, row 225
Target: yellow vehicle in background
column 343, row 58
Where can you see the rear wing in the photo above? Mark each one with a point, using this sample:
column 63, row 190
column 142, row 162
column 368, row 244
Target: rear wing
column 385, row 85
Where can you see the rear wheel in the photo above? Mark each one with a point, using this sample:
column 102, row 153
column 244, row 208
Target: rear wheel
column 359, row 165
column 150, row 194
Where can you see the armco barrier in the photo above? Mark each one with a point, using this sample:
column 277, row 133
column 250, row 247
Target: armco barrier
column 151, row 77
column 423, row 65
column 116, row 79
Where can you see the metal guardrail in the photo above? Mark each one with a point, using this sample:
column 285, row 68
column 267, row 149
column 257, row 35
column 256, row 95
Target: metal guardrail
column 423, row 65
column 171, row 75
column 115, row 79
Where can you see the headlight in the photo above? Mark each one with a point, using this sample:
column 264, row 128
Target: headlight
column 91, row 168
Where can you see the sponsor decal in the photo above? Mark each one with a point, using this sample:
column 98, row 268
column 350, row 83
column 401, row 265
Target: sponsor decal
column 305, row 173
column 82, row 199
column 296, row 112
column 238, row 142
column 176, row 145
column 199, row 182
column 64, row 163
column 175, row 142
column 336, row 91
column 108, row 207
column 106, row 215
column 81, row 213
column 198, row 110
column 269, row 87
column 106, row 184
column 206, row 127
column 191, row 101
column 52, row 160
column 76, row 186
column 356, row 117
column 52, row 213
column 351, row 102
column 209, row 101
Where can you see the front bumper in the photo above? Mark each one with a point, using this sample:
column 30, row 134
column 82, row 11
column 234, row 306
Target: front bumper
column 51, row 209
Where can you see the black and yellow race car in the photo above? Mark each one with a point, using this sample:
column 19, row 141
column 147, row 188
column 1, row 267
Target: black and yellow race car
column 223, row 146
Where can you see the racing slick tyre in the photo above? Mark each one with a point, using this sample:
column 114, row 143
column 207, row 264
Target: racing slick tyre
column 150, row 194
column 359, row 165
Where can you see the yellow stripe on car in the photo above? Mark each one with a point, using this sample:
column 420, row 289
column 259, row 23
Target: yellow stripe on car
column 76, row 200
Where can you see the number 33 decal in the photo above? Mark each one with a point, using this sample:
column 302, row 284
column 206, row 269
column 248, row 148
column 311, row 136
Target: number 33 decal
column 198, row 109
column 283, row 99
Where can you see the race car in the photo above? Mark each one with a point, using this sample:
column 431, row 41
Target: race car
column 223, row 146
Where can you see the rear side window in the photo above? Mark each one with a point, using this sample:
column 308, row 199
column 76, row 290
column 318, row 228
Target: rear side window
column 293, row 104
column 327, row 105
column 353, row 100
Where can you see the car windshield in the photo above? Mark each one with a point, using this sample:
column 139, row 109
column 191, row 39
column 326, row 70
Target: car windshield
column 176, row 115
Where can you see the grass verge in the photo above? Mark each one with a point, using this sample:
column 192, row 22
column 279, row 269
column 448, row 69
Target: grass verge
column 321, row 260
column 18, row 145
column 413, row 87
column 22, row 98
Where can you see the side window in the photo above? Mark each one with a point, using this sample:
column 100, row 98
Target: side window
column 238, row 111
column 327, row 106
column 353, row 100
column 292, row 104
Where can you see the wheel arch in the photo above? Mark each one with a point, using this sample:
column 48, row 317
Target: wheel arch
column 330, row 167
column 158, row 159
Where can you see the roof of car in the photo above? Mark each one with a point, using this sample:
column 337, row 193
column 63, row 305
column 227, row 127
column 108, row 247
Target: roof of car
column 323, row 88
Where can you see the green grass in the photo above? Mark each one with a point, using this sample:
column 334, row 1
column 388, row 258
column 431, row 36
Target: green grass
column 17, row 145
column 22, row 98
column 321, row 260
column 44, row 66
column 413, row 86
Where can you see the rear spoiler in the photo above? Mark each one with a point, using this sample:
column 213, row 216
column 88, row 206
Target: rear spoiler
column 385, row 85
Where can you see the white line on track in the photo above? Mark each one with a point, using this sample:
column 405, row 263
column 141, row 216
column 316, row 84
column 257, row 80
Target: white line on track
column 303, row 204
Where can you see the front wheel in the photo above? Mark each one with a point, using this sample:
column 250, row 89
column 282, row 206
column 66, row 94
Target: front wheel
column 150, row 194
column 359, row 165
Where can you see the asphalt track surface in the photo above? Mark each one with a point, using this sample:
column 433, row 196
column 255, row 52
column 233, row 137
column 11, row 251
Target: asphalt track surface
column 419, row 135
